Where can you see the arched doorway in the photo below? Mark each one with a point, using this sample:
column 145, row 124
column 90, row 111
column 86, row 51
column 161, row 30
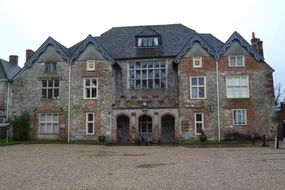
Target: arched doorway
column 123, row 129
column 145, row 128
column 167, row 129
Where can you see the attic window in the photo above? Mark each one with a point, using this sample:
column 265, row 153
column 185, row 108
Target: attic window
column 147, row 41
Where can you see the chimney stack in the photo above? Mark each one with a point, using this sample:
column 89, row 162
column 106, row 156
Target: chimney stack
column 257, row 44
column 13, row 59
column 29, row 54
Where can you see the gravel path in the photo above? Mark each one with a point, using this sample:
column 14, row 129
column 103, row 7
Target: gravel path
column 140, row 167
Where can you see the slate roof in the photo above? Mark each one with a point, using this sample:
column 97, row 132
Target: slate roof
column 120, row 42
column 215, row 43
column 10, row 69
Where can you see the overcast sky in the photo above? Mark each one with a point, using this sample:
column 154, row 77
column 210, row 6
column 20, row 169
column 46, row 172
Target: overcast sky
column 26, row 24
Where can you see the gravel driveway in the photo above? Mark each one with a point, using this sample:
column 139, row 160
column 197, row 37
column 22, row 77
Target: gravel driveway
column 62, row 166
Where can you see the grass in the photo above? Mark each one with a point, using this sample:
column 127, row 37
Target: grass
column 4, row 143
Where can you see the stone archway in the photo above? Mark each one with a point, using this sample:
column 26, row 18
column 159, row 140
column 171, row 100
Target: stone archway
column 123, row 123
column 167, row 129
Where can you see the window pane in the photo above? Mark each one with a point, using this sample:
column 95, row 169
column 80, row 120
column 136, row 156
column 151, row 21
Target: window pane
column 138, row 74
column 194, row 81
column 162, row 73
column 42, row 117
column 194, row 92
column 150, row 65
column 90, row 128
column 138, row 65
column 139, row 42
column 56, row 93
column 150, row 83
column 199, row 127
column 232, row 61
column 132, row 84
column 55, row 128
column 138, row 84
column 94, row 92
column 132, row 74
column 56, row 83
column 149, row 128
column 163, row 83
column 239, row 61
column 132, row 65
column 156, row 73
column 201, row 92
column 143, row 128
column 42, row 128
column 144, row 83
column 44, row 93
column 155, row 40
column 44, row 83
column 198, row 117
column 94, row 82
column 88, row 93
column 156, row 64
column 201, row 81
column 156, row 83
column 50, row 83
column 150, row 74
column 87, row 82
column 144, row 74
column 144, row 64
column 90, row 117
column 50, row 93
column 55, row 118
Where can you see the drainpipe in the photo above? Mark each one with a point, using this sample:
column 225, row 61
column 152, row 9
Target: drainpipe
column 218, row 100
column 68, row 119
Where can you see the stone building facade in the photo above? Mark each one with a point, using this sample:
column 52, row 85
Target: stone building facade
column 160, row 83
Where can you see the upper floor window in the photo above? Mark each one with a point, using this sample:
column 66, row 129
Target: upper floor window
column 90, row 65
column 239, row 117
column 50, row 67
column 148, row 41
column 237, row 86
column 50, row 89
column 197, row 62
column 236, row 61
column 90, row 88
column 198, row 87
column 147, row 74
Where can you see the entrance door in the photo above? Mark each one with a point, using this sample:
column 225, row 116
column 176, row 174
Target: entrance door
column 283, row 127
column 123, row 129
column 145, row 128
column 167, row 129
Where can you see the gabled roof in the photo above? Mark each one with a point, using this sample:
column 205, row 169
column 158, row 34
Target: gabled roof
column 148, row 31
column 80, row 47
column 9, row 69
column 195, row 38
column 214, row 42
column 237, row 37
column 120, row 42
column 59, row 48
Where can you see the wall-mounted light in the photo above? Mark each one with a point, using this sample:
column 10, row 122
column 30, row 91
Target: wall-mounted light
column 144, row 104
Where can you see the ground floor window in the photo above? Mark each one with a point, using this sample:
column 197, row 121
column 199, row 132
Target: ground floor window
column 239, row 117
column 49, row 123
column 199, row 123
column 90, row 123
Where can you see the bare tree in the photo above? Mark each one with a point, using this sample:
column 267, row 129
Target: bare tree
column 279, row 92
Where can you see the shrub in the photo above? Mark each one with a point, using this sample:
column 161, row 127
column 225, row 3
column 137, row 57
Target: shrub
column 21, row 127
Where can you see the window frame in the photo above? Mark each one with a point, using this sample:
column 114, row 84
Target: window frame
column 200, row 62
column 90, row 122
column 198, row 86
column 147, row 41
column 48, row 66
column 47, row 122
column 90, row 87
column 237, row 86
column 147, row 69
column 236, row 58
column 198, row 122
column 90, row 62
column 245, row 117
column 47, row 88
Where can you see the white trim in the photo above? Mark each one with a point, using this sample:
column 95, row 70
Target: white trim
column 218, row 100
column 92, row 122
column 84, row 88
column 198, row 122
column 245, row 116
column 197, row 86
column 231, row 86
column 199, row 59
column 236, row 56
column 89, row 63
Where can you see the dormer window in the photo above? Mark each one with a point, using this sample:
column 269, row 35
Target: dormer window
column 50, row 67
column 148, row 41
